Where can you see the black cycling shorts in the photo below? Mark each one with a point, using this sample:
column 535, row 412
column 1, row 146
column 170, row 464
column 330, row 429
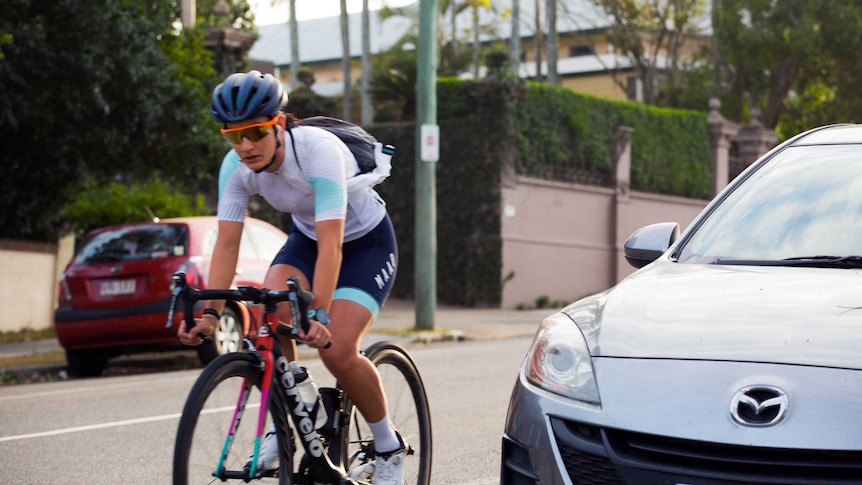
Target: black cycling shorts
column 368, row 264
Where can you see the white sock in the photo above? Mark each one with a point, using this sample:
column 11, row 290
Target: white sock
column 385, row 439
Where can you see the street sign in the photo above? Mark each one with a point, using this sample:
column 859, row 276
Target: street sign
column 430, row 135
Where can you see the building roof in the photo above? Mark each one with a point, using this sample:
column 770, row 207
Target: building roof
column 320, row 38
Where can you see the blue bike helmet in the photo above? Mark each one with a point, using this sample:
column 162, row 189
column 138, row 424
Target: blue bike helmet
column 243, row 96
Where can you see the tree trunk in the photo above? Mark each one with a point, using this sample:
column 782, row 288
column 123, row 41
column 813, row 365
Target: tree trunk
column 453, row 13
column 553, row 77
column 537, row 40
column 295, row 62
column 785, row 75
column 367, row 113
column 345, row 61
column 477, row 47
column 515, row 38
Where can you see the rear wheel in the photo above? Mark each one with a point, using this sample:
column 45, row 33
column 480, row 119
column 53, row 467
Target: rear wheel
column 408, row 411
column 202, row 453
column 86, row 363
column 226, row 339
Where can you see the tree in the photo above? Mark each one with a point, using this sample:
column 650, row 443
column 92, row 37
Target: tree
column 75, row 101
column 293, row 27
column 538, row 40
column 100, row 204
column 367, row 115
column 453, row 58
column 795, row 63
column 393, row 84
column 780, row 55
column 345, row 62
column 515, row 37
column 553, row 76
column 295, row 61
column 651, row 35
column 305, row 102
column 475, row 5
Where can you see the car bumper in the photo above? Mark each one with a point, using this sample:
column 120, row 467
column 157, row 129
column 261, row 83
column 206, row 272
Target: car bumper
column 549, row 439
column 143, row 325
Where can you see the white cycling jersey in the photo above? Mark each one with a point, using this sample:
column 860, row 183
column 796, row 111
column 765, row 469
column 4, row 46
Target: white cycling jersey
column 313, row 189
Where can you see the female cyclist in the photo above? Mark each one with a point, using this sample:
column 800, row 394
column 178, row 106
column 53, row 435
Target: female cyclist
column 341, row 243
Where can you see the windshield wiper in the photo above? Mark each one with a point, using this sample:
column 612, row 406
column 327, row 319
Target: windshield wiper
column 827, row 261
column 819, row 261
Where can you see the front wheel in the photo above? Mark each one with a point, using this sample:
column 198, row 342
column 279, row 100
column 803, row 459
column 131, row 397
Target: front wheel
column 408, row 411
column 205, row 452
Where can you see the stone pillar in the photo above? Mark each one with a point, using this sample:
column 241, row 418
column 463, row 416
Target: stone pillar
column 229, row 45
column 753, row 140
column 721, row 131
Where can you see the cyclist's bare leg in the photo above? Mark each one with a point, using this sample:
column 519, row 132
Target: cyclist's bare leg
column 349, row 322
column 356, row 374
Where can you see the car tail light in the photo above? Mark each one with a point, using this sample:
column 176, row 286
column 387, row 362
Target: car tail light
column 63, row 288
column 193, row 273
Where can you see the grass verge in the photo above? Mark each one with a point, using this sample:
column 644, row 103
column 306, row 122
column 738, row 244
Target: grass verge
column 26, row 335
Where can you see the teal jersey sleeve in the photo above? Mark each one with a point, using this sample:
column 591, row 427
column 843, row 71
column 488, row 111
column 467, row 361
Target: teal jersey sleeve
column 229, row 164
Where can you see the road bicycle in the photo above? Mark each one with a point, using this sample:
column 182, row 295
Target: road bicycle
column 214, row 443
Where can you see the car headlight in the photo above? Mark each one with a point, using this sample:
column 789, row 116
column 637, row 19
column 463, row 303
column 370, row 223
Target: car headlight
column 559, row 360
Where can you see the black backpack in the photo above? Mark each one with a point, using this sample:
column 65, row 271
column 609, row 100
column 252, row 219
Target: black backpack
column 361, row 143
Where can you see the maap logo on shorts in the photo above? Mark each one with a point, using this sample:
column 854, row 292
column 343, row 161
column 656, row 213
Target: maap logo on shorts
column 386, row 273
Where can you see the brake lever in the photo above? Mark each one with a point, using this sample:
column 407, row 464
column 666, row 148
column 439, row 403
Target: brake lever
column 174, row 294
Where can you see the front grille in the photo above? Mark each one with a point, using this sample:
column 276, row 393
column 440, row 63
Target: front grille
column 779, row 465
column 611, row 454
column 583, row 468
column 583, row 454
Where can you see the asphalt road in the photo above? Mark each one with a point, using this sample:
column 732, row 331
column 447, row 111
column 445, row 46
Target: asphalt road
column 120, row 428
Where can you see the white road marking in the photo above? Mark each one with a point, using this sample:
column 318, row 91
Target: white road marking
column 114, row 424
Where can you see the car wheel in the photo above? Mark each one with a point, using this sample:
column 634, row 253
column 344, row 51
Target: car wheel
column 226, row 339
column 86, row 363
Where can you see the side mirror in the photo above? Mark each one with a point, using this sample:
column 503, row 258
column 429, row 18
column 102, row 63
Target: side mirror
column 649, row 242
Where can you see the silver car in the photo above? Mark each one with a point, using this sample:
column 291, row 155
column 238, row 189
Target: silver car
column 734, row 355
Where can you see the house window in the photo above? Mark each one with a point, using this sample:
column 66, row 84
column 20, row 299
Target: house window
column 580, row 50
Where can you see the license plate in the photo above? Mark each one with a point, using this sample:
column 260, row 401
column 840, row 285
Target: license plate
column 117, row 287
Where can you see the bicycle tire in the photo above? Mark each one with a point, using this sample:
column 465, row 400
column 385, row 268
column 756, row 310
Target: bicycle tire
column 207, row 417
column 408, row 411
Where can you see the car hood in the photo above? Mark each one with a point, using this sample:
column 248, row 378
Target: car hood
column 809, row 316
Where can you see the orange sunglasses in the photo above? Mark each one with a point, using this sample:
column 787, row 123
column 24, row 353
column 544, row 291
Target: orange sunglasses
column 253, row 132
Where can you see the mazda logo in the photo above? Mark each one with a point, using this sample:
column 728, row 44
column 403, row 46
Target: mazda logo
column 759, row 406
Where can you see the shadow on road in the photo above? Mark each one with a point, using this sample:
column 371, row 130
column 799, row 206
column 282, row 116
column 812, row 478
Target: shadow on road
column 126, row 365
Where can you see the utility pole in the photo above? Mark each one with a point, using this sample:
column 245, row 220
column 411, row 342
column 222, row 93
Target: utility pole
column 427, row 134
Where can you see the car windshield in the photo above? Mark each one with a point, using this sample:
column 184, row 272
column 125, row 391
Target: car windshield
column 803, row 208
column 134, row 243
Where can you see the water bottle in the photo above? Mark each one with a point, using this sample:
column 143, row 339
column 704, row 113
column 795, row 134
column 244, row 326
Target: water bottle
column 308, row 394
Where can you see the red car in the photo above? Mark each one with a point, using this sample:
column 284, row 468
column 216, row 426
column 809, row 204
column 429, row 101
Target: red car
column 115, row 293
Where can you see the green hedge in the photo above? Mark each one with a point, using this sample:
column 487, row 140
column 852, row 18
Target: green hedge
column 564, row 135
column 542, row 131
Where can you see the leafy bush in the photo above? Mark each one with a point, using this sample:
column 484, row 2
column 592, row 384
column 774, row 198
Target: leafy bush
column 100, row 205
